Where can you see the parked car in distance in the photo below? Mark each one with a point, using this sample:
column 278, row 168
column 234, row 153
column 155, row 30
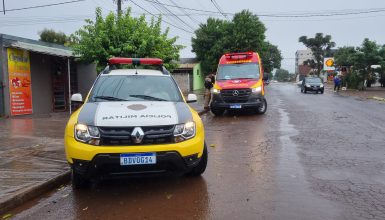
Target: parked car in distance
column 312, row 84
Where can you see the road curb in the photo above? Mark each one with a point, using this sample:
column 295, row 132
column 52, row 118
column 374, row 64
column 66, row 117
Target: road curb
column 378, row 98
column 32, row 192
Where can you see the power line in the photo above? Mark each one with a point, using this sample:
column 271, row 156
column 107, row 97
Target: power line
column 191, row 9
column 179, row 19
column 185, row 13
column 158, row 18
column 41, row 6
column 218, row 8
column 324, row 15
column 293, row 15
column 322, row 20
column 161, row 11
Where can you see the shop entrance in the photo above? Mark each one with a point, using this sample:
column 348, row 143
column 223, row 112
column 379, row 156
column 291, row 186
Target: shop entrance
column 60, row 85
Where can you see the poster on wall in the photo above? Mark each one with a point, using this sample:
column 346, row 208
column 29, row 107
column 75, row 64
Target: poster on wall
column 19, row 74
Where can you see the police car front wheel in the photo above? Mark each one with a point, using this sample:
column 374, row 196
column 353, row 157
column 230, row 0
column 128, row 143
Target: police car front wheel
column 201, row 167
column 78, row 180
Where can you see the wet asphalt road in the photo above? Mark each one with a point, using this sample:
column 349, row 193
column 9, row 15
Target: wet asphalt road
column 311, row 156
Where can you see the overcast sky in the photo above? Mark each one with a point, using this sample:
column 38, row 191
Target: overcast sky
column 362, row 19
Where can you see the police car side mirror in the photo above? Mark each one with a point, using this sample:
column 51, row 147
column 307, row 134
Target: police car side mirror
column 191, row 98
column 77, row 97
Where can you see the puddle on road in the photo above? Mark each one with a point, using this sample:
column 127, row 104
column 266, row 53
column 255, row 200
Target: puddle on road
column 295, row 199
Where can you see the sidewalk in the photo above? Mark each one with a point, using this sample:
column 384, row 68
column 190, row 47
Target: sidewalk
column 377, row 93
column 31, row 153
column 32, row 157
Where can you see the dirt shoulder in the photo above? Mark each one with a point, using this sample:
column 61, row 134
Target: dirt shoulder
column 377, row 93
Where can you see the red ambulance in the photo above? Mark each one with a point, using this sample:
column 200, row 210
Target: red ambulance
column 239, row 84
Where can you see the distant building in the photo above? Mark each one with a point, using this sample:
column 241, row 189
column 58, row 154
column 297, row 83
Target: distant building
column 303, row 71
column 189, row 75
column 300, row 57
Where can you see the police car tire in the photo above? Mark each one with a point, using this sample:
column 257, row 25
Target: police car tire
column 201, row 167
column 78, row 181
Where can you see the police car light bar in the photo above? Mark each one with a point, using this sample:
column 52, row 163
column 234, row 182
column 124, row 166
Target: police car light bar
column 135, row 61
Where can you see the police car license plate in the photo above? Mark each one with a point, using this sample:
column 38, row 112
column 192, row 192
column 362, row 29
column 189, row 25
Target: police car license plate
column 235, row 106
column 137, row 159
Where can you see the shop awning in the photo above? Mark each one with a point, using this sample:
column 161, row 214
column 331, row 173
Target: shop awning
column 42, row 49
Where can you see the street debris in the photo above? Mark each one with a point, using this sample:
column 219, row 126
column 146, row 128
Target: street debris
column 7, row 216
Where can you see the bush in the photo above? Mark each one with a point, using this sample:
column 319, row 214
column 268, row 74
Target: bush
column 353, row 80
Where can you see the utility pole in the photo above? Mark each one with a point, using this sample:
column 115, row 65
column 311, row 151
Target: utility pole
column 4, row 6
column 119, row 2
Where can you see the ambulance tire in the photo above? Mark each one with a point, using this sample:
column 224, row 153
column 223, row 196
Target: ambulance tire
column 262, row 109
column 78, row 181
column 201, row 167
column 217, row 112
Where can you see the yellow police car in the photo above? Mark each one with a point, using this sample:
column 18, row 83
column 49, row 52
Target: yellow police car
column 134, row 121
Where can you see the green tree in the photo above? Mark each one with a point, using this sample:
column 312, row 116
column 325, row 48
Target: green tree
column 51, row 36
column 382, row 69
column 367, row 55
column 282, row 75
column 244, row 33
column 360, row 60
column 271, row 57
column 321, row 46
column 209, row 43
column 345, row 56
column 124, row 36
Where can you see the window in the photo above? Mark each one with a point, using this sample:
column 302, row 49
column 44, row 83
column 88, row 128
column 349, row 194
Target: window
column 135, row 88
column 238, row 71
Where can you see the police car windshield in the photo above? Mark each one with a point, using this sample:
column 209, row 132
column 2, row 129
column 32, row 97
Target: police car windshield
column 135, row 88
column 238, row 71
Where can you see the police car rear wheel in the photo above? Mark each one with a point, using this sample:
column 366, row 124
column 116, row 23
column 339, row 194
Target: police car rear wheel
column 201, row 167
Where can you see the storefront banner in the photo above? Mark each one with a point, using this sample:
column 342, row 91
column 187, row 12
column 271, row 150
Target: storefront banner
column 19, row 74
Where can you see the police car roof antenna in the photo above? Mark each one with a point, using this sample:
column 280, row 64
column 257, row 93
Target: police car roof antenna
column 135, row 63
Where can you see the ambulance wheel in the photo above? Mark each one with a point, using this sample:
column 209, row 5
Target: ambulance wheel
column 217, row 112
column 262, row 108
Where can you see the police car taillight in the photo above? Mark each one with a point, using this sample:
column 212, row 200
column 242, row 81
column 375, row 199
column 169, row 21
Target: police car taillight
column 135, row 61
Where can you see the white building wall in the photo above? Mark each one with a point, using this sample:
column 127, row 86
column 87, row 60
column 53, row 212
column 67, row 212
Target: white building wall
column 301, row 56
